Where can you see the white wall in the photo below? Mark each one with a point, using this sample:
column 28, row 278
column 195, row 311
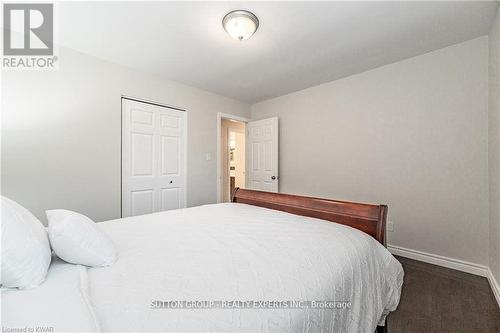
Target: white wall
column 61, row 134
column 413, row 135
column 494, row 147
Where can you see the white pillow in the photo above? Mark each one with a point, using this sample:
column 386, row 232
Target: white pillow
column 26, row 251
column 76, row 239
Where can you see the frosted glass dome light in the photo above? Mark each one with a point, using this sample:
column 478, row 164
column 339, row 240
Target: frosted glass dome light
column 240, row 24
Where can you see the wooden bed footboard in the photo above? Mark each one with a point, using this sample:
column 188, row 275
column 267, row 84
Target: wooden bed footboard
column 368, row 218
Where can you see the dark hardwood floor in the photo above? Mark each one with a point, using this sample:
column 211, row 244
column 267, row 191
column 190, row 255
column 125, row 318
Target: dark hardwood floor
column 442, row 300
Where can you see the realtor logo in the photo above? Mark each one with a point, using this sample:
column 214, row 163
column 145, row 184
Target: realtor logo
column 28, row 36
column 29, row 29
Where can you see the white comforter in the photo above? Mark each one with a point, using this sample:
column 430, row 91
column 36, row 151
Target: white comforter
column 235, row 252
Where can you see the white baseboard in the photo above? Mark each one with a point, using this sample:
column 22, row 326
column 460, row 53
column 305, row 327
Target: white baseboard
column 459, row 265
column 494, row 286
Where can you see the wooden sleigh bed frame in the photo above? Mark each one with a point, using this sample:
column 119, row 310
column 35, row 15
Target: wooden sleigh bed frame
column 368, row 218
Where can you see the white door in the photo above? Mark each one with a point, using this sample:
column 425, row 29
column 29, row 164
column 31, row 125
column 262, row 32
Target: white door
column 262, row 155
column 153, row 158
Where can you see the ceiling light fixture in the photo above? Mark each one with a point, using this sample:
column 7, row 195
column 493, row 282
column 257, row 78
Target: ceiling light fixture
column 240, row 24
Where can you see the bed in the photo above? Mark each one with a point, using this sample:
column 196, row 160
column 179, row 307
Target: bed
column 266, row 262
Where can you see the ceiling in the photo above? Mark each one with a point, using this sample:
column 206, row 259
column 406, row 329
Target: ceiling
column 297, row 45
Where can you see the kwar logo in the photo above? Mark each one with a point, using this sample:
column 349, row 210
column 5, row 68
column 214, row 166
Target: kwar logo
column 28, row 36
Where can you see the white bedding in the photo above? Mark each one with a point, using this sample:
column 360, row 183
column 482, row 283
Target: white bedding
column 235, row 252
column 60, row 304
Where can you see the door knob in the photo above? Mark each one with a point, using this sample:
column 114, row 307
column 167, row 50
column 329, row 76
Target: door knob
column 273, row 177
column 171, row 181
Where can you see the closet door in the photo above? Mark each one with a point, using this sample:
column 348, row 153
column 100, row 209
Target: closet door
column 153, row 158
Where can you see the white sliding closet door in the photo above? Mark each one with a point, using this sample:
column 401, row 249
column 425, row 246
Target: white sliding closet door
column 153, row 158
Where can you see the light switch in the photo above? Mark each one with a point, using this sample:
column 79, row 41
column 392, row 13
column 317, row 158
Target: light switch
column 390, row 226
column 208, row 156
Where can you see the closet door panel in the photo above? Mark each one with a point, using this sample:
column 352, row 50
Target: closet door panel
column 153, row 158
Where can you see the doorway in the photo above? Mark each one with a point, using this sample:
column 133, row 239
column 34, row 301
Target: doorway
column 248, row 151
column 232, row 157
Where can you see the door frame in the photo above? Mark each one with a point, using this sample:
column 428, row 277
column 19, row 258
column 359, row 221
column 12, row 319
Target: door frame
column 220, row 116
column 185, row 138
